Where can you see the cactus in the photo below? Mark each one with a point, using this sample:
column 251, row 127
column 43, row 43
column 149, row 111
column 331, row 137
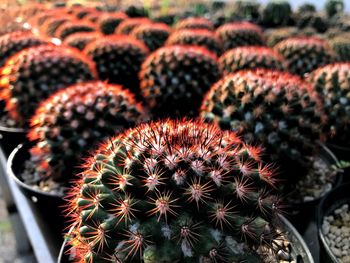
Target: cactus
column 80, row 40
column 194, row 23
column 74, row 26
column 72, row 120
column 50, row 26
column 276, row 13
column 275, row 36
column 332, row 82
column 108, row 22
column 173, row 191
column 34, row 73
column 153, row 35
column 246, row 10
column 270, row 107
column 240, row 34
column 306, row 7
column 304, row 54
column 118, row 59
column 250, row 57
column 127, row 25
column 341, row 46
column 334, row 7
column 196, row 37
column 314, row 20
column 12, row 43
column 174, row 79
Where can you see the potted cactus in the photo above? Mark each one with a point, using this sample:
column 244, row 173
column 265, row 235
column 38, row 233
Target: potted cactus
column 177, row 191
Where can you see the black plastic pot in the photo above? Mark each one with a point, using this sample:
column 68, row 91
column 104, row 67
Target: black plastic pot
column 301, row 213
column 301, row 251
column 333, row 200
column 343, row 154
column 10, row 138
column 49, row 206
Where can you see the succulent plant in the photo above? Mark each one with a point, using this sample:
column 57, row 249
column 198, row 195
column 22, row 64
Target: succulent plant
column 108, row 22
column 118, row 59
column 341, row 45
column 304, row 54
column 127, row 25
column 314, row 20
column 153, row 35
column 196, row 37
column 306, row 7
column 274, row 36
column 12, row 43
column 72, row 120
column 174, row 79
column 332, row 82
column 50, row 26
column 82, row 11
column 194, row 23
column 173, row 191
column 93, row 17
column 136, row 11
column 74, row 26
column 246, row 10
column 250, row 57
column 34, row 73
column 334, row 7
column 276, row 13
column 240, row 34
column 80, row 40
column 277, row 109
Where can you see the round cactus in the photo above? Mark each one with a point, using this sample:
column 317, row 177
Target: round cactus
column 270, row 107
column 127, row 25
column 81, row 39
column 74, row 26
column 108, row 22
column 72, row 120
column 196, row 37
column 153, row 35
column 175, row 78
column 12, row 43
column 34, row 73
column 118, row 59
column 304, row 54
column 341, row 46
column 194, row 23
column 49, row 28
column 240, row 34
column 332, row 82
column 276, row 13
column 334, row 7
column 275, row 36
column 250, row 57
column 173, row 191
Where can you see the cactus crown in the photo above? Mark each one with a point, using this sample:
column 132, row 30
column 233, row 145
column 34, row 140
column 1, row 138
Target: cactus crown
column 194, row 23
column 172, row 191
column 250, row 57
column 332, row 82
column 127, row 25
column 196, row 37
column 73, row 119
column 153, row 35
column 240, row 34
column 305, row 54
column 34, row 73
column 270, row 107
column 13, row 42
column 173, row 79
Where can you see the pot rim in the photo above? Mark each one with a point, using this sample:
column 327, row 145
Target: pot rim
column 10, row 172
column 320, row 219
column 11, row 129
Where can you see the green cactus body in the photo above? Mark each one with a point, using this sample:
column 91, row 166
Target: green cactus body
column 332, row 82
column 153, row 35
column 250, row 57
column 172, row 191
column 305, row 54
column 127, row 25
column 71, row 121
column 276, row 109
column 240, row 34
column 34, row 73
column 276, row 13
column 334, row 7
column 196, row 37
column 174, row 79
column 74, row 26
column 80, row 40
column 341, row 45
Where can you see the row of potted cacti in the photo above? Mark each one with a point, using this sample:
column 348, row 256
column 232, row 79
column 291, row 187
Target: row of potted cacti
column 171, row 190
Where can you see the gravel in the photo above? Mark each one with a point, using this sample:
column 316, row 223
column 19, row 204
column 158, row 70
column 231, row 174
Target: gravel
column 336, row 229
